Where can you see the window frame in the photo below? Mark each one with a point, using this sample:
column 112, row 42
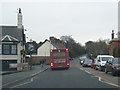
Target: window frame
column 10, row 49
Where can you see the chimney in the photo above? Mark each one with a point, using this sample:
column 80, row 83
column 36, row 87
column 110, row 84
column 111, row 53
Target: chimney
column 112, row 34
column 19, row 19
column 52, row 39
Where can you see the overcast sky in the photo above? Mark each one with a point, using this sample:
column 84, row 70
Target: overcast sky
column 82, row 20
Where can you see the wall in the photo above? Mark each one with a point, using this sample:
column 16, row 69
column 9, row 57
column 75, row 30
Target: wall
column 114, row 44
column 38, row 59
column 44, row 50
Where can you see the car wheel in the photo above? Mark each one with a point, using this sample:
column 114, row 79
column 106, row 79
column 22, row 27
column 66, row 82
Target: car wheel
column 113, row 73
column 99, row 68
column 52, row 69
column 96, row 68
column 106, row 70
column 103, row 69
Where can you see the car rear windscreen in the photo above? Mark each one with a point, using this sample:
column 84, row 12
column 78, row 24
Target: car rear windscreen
column 106, row 58
column 116, row 61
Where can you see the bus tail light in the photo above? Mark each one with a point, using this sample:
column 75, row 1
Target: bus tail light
column 51, row 64
column 67, row 49
column 51, row 51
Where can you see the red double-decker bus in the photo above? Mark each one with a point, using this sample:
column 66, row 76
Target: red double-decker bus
column 59, row 58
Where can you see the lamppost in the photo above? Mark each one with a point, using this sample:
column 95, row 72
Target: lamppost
column 31, row 49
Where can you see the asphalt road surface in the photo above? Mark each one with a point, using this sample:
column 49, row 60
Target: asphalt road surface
column 74, row 77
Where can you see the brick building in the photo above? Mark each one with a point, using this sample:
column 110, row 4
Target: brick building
column 114, row 46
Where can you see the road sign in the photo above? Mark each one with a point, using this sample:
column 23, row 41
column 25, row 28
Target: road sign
column 31, row 48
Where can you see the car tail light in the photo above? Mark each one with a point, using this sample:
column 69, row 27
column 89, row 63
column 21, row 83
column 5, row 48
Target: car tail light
column 51, row 64
column 68, row 64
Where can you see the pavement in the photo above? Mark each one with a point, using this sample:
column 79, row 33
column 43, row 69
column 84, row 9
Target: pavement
column 11, row 79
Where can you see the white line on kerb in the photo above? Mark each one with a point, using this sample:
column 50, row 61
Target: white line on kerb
column 99, row 78
column 110, row 83
column 81, row 68
column 19, row 79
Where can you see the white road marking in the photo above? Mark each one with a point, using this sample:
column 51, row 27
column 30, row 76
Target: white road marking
column 81, row 68
column 31, row 80
column 21, row 84
column 99, row 78
column 88, row 72
column 20, row 79
column 10, row 83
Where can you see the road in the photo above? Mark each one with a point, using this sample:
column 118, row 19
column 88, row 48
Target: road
column 71, row 78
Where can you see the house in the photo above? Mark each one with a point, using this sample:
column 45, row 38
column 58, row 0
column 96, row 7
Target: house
column 12, row 42
column 43, row 53
column 114, row 45
column 44, row 49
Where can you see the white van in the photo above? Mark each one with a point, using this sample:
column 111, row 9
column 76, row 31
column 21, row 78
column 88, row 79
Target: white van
column 101, row 61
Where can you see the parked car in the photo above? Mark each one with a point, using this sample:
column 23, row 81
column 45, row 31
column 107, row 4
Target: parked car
column 93, row 65
column 81, row 62
column 101, row 61
column 70, row 58
column 87, row 63
column 113, row 65
column 82, row 59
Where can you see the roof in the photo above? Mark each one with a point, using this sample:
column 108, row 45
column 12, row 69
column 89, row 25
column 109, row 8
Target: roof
column 55, row 45
column 115, row 40
column 9, row 38
column 104, row 56
column 11, row 33
column 49, row 42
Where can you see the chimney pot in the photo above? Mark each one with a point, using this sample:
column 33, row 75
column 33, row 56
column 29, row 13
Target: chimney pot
column 112, row 34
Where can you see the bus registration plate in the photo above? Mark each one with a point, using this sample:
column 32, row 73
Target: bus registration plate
column 59, row 66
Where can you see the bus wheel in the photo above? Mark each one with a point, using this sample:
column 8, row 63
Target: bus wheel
column 67, row 68
column 52, row 68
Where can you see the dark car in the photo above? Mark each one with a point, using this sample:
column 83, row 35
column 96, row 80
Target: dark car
column 70, row 58
column 113, row 65
column 87, row 62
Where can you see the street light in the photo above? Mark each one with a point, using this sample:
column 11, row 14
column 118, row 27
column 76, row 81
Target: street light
column 31, row 49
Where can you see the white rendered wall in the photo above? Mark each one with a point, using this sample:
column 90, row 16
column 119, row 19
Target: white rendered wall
column 44, row 50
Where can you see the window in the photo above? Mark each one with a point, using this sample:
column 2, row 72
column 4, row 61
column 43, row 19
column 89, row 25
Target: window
column 9, row 49
column 6, row 49
column 13, row 49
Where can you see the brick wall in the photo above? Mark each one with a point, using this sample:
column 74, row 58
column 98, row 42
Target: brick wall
column 38, row 59
column 114, row 47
